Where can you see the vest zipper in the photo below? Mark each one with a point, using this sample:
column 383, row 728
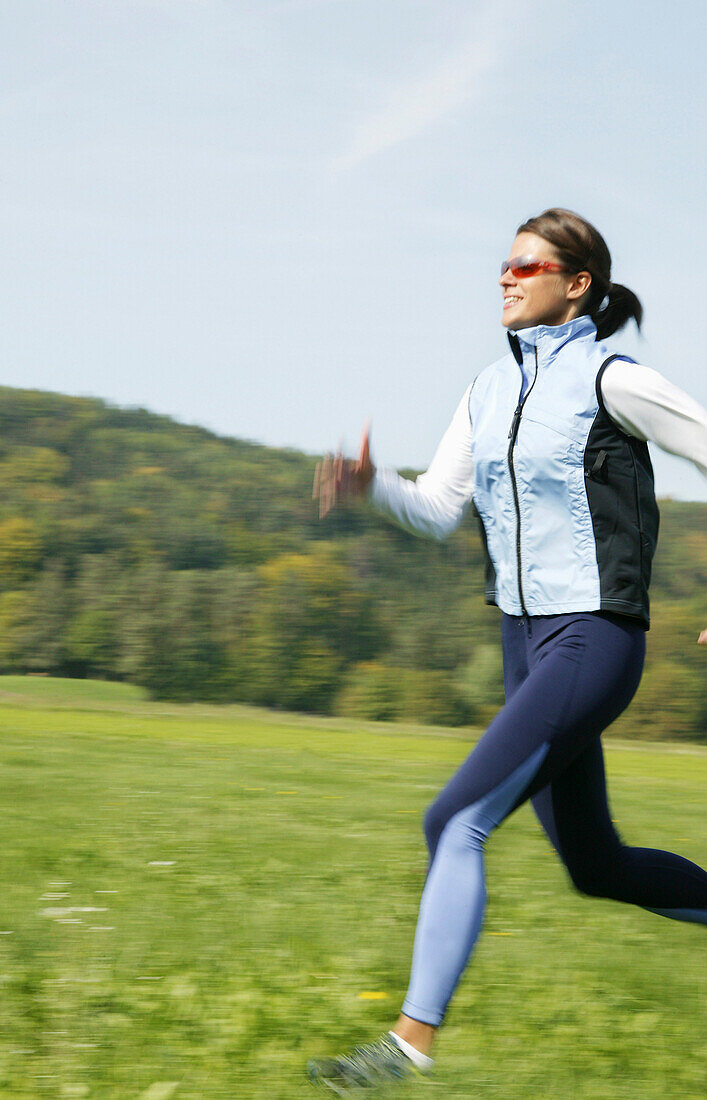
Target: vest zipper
column 512, row 435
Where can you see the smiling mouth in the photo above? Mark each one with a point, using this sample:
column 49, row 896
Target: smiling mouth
column 511, row 300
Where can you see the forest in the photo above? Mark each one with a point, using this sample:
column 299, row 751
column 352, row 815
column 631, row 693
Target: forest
column 136, row 548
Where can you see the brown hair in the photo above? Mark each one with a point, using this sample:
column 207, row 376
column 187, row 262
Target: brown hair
column 581, row 247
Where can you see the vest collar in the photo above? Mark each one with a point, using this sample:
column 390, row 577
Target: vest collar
column 548, row 339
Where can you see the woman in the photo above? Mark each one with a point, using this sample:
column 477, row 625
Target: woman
column 550, row 443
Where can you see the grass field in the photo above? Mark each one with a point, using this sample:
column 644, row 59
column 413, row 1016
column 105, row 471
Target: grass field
column 197, row 899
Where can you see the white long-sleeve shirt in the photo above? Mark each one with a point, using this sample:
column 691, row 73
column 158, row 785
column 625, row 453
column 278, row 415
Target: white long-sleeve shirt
column 638, row 399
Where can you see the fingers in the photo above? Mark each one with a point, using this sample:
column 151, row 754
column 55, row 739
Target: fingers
column 328, row 489
column 328, row 480
column 365, row 454
column 317, row 480
column 364, row 467
column 702, row 640
column 336, row 477
column 321, row 489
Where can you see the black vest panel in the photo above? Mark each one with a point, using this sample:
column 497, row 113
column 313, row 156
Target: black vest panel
column 625, row 516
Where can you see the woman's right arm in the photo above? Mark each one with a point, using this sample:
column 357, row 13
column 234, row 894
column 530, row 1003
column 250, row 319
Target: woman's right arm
column 434, row 505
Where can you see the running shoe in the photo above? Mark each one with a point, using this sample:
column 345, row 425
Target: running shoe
column 368, row 1067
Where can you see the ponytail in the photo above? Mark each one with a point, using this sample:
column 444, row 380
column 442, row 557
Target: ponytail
column 618, row 306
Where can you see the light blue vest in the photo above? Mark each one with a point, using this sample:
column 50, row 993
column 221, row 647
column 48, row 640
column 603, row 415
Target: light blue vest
column 529, row 449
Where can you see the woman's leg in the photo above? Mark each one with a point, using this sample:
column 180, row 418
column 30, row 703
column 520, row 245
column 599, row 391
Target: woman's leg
column 583, row 671
column 515, row 671
column 574, row 812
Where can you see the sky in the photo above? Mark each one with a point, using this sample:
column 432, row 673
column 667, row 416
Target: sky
column 278, row 218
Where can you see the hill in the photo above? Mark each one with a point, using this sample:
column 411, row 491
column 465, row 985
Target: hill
column 136, row 548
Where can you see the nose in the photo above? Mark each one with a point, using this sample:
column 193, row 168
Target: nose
column 507, row 279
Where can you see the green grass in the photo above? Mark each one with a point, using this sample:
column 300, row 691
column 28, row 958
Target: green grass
column 195, row 899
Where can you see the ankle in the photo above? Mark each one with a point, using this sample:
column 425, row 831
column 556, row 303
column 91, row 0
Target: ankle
column 422, row 1061
column 418, row 1035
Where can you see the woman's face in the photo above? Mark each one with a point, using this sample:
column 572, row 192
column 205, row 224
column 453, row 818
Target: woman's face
column 549, row 298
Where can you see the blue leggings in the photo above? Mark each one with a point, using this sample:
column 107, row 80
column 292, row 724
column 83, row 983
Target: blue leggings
column 567, row 677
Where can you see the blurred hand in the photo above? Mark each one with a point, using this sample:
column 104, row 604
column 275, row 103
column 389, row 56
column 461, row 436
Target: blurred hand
column 702, row 640
column 336, row 477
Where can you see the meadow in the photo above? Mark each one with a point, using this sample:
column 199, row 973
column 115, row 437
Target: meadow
column 196, row 899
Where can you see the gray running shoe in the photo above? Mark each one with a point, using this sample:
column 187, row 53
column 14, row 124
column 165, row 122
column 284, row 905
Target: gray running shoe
column 368, row 1067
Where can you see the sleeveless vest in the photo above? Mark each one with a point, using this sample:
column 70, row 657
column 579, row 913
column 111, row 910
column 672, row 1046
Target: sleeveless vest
column 565, row 498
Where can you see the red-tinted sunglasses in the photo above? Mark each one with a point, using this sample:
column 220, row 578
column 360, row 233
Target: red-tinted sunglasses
column 524, row 267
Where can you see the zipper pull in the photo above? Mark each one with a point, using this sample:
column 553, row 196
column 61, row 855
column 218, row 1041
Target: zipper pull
column 514, row 422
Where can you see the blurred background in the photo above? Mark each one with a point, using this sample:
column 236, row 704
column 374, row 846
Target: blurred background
column 135, row 548
column 232, row 230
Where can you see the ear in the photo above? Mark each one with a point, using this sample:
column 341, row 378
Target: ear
column 579, row 285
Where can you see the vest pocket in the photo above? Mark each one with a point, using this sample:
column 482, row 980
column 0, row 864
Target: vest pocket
column 598, row 470
column 570, row 427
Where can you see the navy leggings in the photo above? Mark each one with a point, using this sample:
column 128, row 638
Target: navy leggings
column 567, row 677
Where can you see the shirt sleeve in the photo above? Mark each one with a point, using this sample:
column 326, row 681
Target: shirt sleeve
column 649, row 407
column 434, row 505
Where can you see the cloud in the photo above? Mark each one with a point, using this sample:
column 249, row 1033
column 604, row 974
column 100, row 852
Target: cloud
column 418, row 104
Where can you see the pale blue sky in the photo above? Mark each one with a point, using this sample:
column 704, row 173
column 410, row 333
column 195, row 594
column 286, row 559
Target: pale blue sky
column 277, row 218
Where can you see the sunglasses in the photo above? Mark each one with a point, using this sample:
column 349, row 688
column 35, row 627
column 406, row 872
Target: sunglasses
column 524, row 267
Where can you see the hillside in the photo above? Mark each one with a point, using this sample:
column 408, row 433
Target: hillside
column 133, row 547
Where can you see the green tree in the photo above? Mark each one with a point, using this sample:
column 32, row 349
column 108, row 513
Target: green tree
column 180, row 657
column 480, row 682
column 371, row 690
column 309, row 622
column 91, row 642
column 15, row 616
column 20, row 551
column 381, row 692
column 42, row 639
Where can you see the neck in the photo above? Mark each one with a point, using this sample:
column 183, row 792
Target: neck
column 552, row 321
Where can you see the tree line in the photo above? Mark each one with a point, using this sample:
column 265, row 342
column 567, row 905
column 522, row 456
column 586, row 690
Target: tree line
column 136, row 548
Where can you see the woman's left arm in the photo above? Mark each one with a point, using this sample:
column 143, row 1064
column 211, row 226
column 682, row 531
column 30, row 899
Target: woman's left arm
column 646, row 405
column 649, row 407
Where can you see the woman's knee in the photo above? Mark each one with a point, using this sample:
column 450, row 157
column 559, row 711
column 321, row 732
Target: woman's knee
column 597, row 879
column 589, row 884
column 463, row 830
column 435, row 819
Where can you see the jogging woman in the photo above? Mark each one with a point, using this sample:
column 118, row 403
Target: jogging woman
column 550, row 444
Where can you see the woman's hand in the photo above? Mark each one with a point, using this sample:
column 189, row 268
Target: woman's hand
column 336, row 478
column 702, row 640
